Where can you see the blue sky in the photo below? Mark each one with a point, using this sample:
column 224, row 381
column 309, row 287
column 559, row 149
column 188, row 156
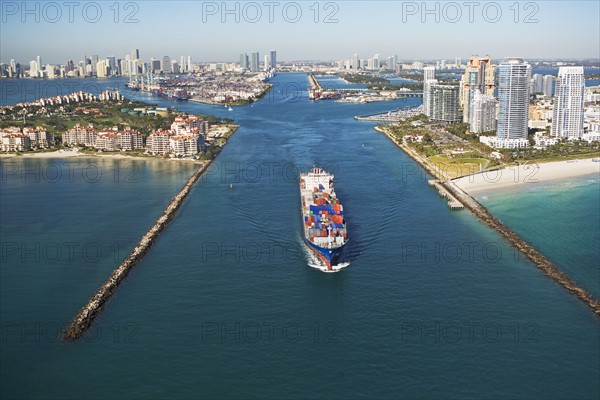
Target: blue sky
column 208, row 31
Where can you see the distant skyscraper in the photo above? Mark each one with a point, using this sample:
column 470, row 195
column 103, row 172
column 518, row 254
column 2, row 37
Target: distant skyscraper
column 479, row 75
column 33, row 69
column 513, row 98
column 166, row 65
column 155, row 65
column 244, row 63
column 443, row 64
column 189, row 64
column 273, row 58
column 376, row 65
column 39, row 63
column 548, row 83
column 135, row 54
column 443, row 102
column 457, row 62
column 567, row 117
column 111, row 62
column 355, row 62
column 94, row 59
column 537, row 82
column 482, row 117
column 254, row 61
column 267, row 63
column 101, row 69
column 428, row 75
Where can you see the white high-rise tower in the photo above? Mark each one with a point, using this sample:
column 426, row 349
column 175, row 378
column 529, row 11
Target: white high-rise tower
column 513, row 98
column 567, row 117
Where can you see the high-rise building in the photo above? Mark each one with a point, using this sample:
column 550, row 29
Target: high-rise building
column 155, row 65
column 101, row 69
column 165, row 66
column 33, row 69
column 111, row 62
column 182, row 66
column 428, row 77
column 273, row 58
column 428, row 73
column 254, row 61
column 135, row 54
column 567, row 116
column 189, row 64
column 537, row 84
column 513, row 98
column 443, row 102
column 244, row 63
column 267, row 63
column 482, row 117
column 175, row 67
column 457, row 62
column 355, row 62
column 94, row 62
column 548, row 83
column 479, row 75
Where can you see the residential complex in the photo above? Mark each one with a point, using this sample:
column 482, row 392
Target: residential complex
column 13, row 139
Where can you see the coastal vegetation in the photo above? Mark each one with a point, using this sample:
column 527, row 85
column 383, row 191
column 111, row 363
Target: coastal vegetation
column 458, row 153
column 363, row 79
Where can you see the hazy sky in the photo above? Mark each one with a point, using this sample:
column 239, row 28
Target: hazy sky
column 208, row 31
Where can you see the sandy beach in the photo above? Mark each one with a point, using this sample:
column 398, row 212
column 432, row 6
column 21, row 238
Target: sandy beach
column 75, row 153
column 528, row 174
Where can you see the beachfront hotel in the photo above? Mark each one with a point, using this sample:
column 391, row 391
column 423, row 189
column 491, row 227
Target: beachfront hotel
column 567, row 117
column 513, row 98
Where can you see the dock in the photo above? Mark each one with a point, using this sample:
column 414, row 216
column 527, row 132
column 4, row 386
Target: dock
column 86, row 315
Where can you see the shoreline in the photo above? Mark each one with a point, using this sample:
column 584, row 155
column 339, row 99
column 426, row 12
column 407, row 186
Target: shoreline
column 485, row 216
column 526, row 175
column 76, row 154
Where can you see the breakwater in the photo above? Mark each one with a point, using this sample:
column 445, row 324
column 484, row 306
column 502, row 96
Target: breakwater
column 86, row 315
column 536, row 257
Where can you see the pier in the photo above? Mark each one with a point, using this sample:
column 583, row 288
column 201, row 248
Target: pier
column 453, row 203
column 85, row 317
column 314, row 93
column 532, row 254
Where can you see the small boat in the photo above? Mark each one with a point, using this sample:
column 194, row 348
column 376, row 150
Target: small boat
column 230, row 109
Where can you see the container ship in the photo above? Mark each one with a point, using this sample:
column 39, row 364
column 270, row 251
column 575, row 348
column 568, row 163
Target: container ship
column 323, row 216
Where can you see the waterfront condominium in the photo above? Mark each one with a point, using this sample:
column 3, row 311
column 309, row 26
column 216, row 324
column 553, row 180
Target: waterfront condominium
column 567, row 117
column 513, row 99
column 479, row 75
column 443, row 102
column 428, row 78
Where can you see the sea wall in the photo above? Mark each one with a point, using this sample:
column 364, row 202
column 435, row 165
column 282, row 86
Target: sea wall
column 85, row 317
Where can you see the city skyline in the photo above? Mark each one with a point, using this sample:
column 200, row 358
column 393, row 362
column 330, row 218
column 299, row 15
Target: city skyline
column 24, row 30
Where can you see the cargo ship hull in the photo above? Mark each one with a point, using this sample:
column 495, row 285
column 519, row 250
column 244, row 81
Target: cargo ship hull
column 322, row 217
column 328, row 256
